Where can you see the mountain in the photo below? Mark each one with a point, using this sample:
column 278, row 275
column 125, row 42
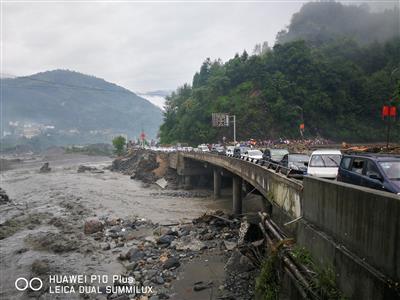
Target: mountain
column 71, row 104
column 321, row 22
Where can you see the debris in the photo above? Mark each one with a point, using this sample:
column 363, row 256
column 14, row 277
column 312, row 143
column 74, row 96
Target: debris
column 200, row 285
column 3, row 197
column 188, row 243
column 162, row 183
column 45, row 168
column 229, row 245
column 82, row 169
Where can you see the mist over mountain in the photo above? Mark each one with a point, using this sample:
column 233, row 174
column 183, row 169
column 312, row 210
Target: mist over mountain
column 156, row 97
column 74, row 107
column 321, row 22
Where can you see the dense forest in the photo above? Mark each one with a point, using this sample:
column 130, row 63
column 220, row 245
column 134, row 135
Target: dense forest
column 319, row 72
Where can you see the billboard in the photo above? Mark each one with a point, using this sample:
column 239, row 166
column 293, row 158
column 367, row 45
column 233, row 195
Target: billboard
column 220, row 119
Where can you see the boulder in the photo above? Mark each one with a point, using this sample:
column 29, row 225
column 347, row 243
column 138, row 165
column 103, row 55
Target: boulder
column 45, row 168
column 171, row 262
column 93, row 225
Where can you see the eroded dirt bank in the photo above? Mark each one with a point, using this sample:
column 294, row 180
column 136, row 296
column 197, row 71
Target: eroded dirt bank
column 65, row 222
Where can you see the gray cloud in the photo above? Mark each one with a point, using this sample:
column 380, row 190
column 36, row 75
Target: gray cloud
column 141, row 46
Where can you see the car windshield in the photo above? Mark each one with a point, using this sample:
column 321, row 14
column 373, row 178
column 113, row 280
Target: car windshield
column 278, row 152
column 254, row 152
column 299, row 158
column 391, row 169
column 325, row 160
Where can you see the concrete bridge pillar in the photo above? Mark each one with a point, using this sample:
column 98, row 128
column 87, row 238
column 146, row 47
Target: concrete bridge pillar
column 187, row 182
column 217, row 183
column 237, row 194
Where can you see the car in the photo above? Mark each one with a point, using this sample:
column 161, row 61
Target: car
column 203, row 148
column 324, row 163
column 218, row 149
column 274, row 155
column 253, row 154
column 229, row 150
column 296, row 162
column 376, row 171
column 239, row 151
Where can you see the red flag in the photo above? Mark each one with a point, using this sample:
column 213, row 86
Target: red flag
column 393, row 111
column 385, row 111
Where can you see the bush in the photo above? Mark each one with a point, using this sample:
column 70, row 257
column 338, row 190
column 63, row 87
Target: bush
column 119, row 144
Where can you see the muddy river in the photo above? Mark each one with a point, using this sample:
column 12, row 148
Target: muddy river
column 48, row 207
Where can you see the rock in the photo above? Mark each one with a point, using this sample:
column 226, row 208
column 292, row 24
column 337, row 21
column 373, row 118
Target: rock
column 45, row 168
column 188, row 243
column 92, row 226
column 151, row 273
column 3, row 197
column 171, row 262
column 239, row 263
column 158, row 280
column 229, row 245
column 106, row 246
column 165, row 239
column 199, row 286
column 207, row 236
column 131, row 266
column 134, row 254
column 154, row 297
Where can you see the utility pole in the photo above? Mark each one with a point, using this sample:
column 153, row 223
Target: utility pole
column 234, row 129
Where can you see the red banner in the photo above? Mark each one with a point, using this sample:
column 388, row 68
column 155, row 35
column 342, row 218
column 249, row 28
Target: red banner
column 393, row 111
column 385, row 111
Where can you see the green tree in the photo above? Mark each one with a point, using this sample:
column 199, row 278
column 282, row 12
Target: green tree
column 119, row 144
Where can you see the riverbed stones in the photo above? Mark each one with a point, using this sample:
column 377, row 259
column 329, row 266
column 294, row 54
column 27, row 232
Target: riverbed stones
column 93, row 225
column 171, row 262
column 166, row 239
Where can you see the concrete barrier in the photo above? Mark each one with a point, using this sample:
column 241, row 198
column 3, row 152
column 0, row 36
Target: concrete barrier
column 355, row 230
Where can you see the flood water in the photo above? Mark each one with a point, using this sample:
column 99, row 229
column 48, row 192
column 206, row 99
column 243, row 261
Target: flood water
column 72, row 197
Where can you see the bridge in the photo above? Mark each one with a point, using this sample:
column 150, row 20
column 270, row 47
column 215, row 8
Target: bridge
column 353, row 230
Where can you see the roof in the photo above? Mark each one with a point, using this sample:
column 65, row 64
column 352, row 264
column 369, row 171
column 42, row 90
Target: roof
column 376, row 156
column 327, row 151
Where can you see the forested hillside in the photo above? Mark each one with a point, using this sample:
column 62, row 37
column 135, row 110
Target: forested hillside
column 338, row 85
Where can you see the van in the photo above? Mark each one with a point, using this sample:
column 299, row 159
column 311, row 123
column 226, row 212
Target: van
column 324, row 163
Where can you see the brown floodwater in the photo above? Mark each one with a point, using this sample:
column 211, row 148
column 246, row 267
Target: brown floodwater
column 39, row 197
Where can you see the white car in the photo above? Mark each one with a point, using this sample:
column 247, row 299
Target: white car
column 203, row 148
column 229, row 150
column 324, row 163
column 254, row 154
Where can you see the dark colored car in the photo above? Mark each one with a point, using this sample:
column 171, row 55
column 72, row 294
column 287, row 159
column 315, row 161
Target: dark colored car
column 238, row 151
column 274, row 155
column 380, row 172
column 296, row 162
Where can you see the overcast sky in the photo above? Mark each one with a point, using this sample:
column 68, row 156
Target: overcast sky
column 140, row 46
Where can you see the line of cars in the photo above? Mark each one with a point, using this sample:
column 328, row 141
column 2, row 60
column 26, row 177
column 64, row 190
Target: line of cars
column 376, row 171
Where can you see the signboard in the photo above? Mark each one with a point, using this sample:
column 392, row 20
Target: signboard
column 220, row 119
